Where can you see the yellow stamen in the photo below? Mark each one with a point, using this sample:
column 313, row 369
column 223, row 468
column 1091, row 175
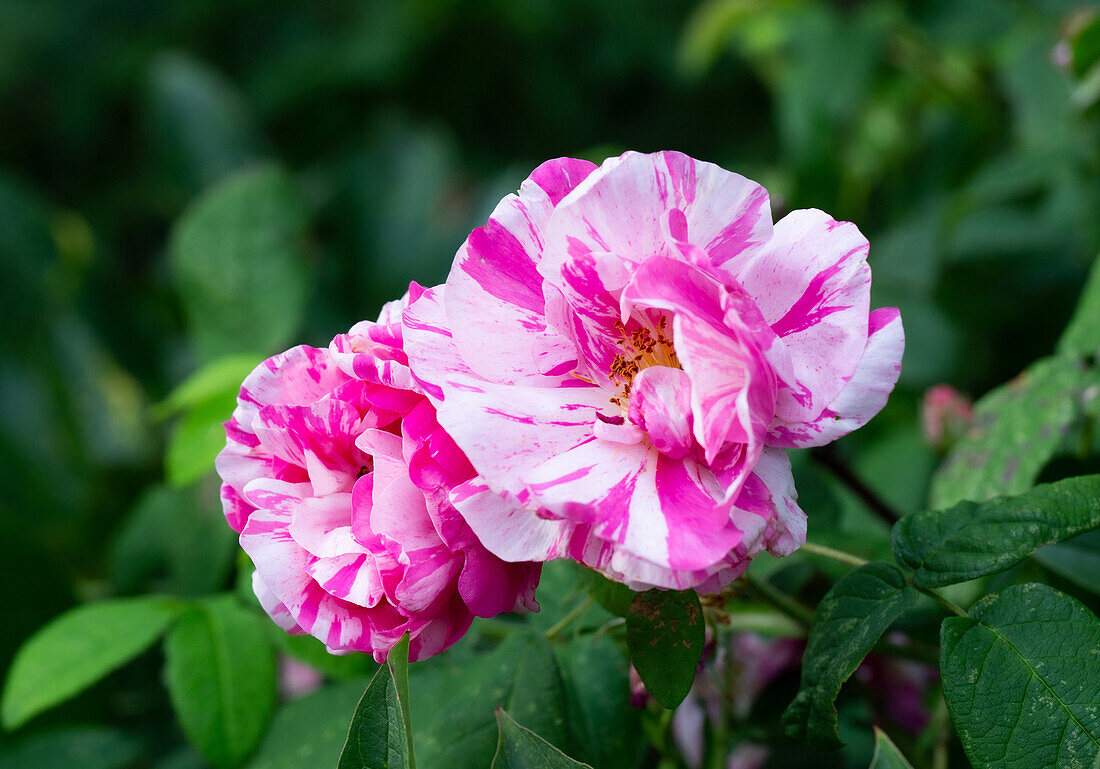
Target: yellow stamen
column 644, row 346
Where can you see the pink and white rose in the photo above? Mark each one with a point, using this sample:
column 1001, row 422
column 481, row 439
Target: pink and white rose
column 624, row 353
column 337, row 476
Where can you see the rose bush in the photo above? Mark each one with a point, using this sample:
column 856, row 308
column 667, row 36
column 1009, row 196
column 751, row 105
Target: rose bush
column 337, row 476
column 625, row 352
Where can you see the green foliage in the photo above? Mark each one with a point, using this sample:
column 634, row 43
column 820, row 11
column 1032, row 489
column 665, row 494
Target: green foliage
column 89, row 747
column 1020, row 676
column 848, row 622
column 204, row 128
column 380, row 735
column 238, row 258
column 887, row 755
column 1086, row 43
column 220, row 671
column 205, row 400
column 520, row 748
column 79, row 648
column 972, row 540
column 665, row 635
column 175, row 540
column 455, row 726
column 1018, row 428
column 311, row 731
column 1082, row 335
column 603, row 724
column 613, row 596
column 1077, row 560
column 187, row 182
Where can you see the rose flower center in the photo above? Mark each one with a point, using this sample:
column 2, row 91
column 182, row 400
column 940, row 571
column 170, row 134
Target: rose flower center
column 645, row 344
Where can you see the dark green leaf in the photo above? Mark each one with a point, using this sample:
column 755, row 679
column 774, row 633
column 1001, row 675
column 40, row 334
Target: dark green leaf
column 380, row 736
column 1017, row 429
column 398, row 663
column 1021, row 676
column 1082, row 335
column 195, row 442
column 311, row 731
column 221, row 677
column 972, row 539
column 86, row 747
column 520, row 748
column 604, row 725
column 613, row 596
column 1086, row 44
column 456, row 727
column 665, row 635
column 887, row 755
column 848, row 622
column 79, row 648
column 237, row 256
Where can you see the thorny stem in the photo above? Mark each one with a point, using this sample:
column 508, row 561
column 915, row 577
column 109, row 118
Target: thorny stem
column 564, row 622
column 828, row 457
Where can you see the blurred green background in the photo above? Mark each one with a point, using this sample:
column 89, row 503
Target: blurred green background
column 191, row 186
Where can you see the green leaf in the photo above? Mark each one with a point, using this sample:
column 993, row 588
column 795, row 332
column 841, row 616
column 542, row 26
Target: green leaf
column 206, row 400
column 220, row 670
column 848, row 622
column 1086, row 44
column 665, row 635
column 195, row 442
column 1021, row 676
column 613, row 596
column 887, row 755
column 971, row 540
column 398, row 663
column 520, row 748
column 86, row 747
column 456, row 727
column 237, row 256
column 1082, row 335
column 77, row 649
column 603, row 724
column 311, row 731
column 1017, row 428
column 216, row 380
column 380, row 736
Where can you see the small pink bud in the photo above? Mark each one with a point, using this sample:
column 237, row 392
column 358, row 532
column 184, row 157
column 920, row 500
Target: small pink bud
column 297, row 679
column 946, row 414
column 639, row 695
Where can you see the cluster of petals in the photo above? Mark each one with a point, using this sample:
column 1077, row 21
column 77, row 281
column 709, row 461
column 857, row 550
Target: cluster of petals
column 625, row 352
column 338, row 478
